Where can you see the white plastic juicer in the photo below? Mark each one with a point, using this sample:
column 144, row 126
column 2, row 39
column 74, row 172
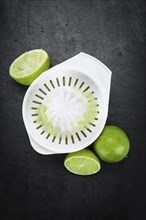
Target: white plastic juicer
column 65, row 108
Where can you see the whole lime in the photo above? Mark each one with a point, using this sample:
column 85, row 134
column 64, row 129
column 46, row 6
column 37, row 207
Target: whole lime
column 112, row 145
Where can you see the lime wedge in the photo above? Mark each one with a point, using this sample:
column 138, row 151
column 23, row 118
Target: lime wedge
column 27, row 67
column 83, row 162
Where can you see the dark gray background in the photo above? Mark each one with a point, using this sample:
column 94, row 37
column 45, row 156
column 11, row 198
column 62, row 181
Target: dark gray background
column 36, row 187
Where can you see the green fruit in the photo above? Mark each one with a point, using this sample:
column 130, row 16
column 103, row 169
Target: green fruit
column 83, row 162
column 112, row 145
column 27, row 67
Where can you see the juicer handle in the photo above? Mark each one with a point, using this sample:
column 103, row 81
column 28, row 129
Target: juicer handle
column 94, row 68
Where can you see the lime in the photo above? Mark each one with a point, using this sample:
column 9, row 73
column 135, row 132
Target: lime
column 112, row 145
column 83, row 162
column 27, row 67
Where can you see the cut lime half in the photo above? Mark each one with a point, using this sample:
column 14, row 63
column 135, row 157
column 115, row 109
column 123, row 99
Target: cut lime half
column 27, row 67
column 83, row 162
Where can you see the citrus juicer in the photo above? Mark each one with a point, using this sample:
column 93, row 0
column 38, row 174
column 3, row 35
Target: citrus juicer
column 65, row 109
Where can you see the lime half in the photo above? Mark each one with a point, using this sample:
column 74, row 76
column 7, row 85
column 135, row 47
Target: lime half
column 27, row 67
column 83, row 162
